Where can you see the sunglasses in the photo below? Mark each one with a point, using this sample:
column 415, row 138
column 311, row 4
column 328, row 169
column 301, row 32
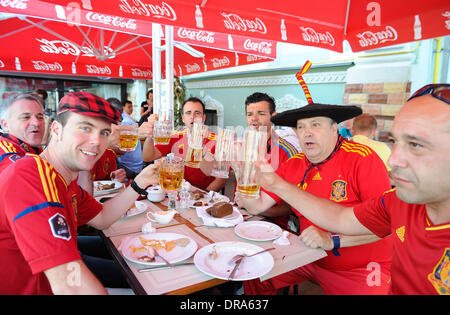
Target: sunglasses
column 439, row 91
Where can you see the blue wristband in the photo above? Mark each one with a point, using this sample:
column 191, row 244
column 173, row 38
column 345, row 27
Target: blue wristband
column 337, row 244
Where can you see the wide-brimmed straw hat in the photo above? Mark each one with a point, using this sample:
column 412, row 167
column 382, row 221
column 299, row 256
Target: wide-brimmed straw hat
column 338, row 113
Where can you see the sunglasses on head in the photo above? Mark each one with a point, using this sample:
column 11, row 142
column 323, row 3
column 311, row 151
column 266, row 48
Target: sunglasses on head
column 439, row 91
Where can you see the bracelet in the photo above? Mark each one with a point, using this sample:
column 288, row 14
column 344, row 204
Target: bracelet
column 138, row 189
column 337, row 244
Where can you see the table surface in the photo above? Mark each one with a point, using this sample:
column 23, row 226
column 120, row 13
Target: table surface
column 188, row 279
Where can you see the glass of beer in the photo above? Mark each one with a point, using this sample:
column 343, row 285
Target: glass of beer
column 248, row 150
column 128, row 139
column 171, row 172
column 223, row 153
column 162, row 132
column 194, row 154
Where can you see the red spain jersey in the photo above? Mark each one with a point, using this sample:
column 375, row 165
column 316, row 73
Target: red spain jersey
column 39, row 215
column 421, row 255
column 352, row 175
column 178, row 142
column 10, row 145
column 104, row 166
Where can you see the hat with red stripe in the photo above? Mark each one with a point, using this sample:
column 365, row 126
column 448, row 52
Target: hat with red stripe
column 338, row 113
column 88, row 104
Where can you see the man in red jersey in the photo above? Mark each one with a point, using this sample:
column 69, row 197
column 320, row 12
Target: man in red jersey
column 193, row 108
column 416, row 212
column 336, row 169
column 42, row 205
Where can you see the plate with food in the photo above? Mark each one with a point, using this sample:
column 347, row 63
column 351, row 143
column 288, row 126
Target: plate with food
column 214, row 260
column 221, row 210
column 145, row 248
column 104, row 187
column 202, row 199
column 258, row 231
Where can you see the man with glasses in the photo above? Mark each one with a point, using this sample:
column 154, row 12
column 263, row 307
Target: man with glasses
column 416, row 212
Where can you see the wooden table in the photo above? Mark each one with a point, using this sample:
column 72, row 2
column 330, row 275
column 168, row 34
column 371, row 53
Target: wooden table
column 188, row 279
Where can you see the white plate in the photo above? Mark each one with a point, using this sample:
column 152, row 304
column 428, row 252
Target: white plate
column 177, row 254
column 234, row 215
column 258, row 230
column 250, row 268
column 117, row 186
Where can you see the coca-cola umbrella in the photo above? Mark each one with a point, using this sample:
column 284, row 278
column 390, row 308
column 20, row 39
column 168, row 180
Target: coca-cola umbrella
column 365, row 24
column 43, row 46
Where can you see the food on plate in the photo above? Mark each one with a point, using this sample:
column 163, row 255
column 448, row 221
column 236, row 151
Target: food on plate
column 213, row 254
column 101, row 186
column 220, row 209
column 198, row 204
column 183, row 242
column 144, row 254
column 157, row 244
column 196, row 194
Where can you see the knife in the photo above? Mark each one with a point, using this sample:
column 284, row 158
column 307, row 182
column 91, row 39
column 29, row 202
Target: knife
column 163, row 267
column 236, row 267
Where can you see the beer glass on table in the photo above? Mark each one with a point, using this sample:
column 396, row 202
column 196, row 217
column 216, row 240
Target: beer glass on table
column 248, row 150
column 162, row 131
column 128, row 139
column 223, row 153
column 194, row 153
column 171, row 173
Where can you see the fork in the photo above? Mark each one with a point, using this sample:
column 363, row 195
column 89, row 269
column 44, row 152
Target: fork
column 163, row 259
column 237, row 257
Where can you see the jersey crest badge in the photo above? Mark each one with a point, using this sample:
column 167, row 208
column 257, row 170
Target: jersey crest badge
column 59, row 226
column 440, row 277
column 338, row 191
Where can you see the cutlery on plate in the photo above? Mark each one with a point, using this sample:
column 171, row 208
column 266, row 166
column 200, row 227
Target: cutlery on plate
column 236, row 267
column 163, row 259
column 238, row 257
column 164, row 267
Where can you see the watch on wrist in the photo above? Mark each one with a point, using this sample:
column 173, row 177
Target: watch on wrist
column 336, row 244
column 138, row 189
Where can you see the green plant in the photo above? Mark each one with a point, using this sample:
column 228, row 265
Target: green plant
column 179, row 95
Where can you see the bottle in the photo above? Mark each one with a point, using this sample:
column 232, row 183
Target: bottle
column 283, row 30
column 120, row 71
column 417, row 28
column 74, row 68
column 18, row 66
column 198, row 17
column 230, row 42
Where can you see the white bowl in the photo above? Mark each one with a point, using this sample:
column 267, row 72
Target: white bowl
column 155, row 194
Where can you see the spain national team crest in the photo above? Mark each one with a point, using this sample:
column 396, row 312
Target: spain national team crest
column 338, row 191
column 440, row 277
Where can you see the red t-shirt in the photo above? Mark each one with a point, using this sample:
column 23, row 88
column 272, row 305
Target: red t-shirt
column 352, row 175
column 39, row 216
column 177, row 143
column 421, row 255
column 104, row 166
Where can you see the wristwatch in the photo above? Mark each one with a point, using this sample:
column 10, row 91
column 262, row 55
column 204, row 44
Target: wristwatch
column 337, row 244
column 138, row 189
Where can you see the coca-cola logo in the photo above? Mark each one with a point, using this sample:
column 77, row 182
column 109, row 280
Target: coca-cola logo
column 197, row 35
column 138, row 7
column 43, row 66
column 235, row 22
column 369, row 38
column 446, row 14
column 251, row 58
column 111, row 20
column 136, row 72
column 310, row 35
column 220, row 62
column 15, row 4
column 67, row 48
column 261, row 47
column 93, row 69
column 192, row 68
